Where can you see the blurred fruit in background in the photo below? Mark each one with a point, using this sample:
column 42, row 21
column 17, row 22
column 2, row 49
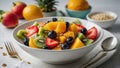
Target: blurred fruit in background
column 78, row 8
column 48, row 7
column 31, row 12
column 77, row 5
column 18, row 7
column 9, row 19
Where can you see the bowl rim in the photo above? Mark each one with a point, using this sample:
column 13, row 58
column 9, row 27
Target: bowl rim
column 115, row 16
column 90, row 7
column 98, row 39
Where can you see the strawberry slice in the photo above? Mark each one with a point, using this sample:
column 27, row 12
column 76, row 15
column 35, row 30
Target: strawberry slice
column 51, row 43
column 32, row 30
column 79, row 27
column 92, row 33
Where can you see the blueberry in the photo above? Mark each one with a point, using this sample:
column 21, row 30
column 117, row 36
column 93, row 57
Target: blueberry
column 69, row 40
column 84, row 30
column 54, row 19
column 45, row 47
column 67, row 24
column 52, row 34
column 65, row 46
column 26, row 41
column 47, row 21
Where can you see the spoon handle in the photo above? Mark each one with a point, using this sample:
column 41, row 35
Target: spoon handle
column 96, row 58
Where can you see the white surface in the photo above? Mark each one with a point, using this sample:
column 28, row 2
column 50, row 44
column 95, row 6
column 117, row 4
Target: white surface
column 97, row 5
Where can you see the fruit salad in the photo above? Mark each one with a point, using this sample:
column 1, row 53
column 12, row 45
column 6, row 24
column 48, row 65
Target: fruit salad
column 57, row 34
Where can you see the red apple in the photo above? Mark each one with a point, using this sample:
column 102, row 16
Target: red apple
column 18, row 7
column 9, row 20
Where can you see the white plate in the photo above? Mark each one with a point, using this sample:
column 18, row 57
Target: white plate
column 36, row 63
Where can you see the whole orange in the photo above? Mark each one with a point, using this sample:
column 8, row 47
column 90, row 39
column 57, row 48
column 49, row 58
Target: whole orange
column 31, row 12
column 77, row 4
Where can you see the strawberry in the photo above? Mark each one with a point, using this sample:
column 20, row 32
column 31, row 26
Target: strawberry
column 92, row 33
column 32, row 30
column 51, row 43
column 79, row 27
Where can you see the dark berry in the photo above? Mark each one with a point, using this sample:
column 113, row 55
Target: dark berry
column 45, row 47
column 69, row 40
column 47, row 21
column 84, row 30
column 65, row 46
column 52, row 34
column 26, row 41
column 54, row 19
column 67, row 24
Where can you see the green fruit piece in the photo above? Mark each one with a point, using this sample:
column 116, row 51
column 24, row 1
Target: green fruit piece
column 39, row 42
column 36, row 23
column 84, row 39
column 21, row 34
column 76, row 21
column 81, row 36
column 42, row 32
column 61, row 19
column 87, row 41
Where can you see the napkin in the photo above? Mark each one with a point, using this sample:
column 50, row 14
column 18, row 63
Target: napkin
column 23, row 64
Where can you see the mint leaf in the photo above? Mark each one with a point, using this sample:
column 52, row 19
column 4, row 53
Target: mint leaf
column 1, row 12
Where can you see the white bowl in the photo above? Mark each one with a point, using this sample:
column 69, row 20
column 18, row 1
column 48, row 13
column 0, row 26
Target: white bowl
column 103, row 23
column 53, row 56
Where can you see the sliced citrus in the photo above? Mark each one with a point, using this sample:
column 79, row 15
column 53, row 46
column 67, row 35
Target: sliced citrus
column 51, row 26
column 61, row 27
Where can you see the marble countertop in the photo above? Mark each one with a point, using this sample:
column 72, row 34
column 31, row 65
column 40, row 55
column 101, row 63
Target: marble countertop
column 97, row 5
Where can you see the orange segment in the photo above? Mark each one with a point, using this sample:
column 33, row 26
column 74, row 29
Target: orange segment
column 77, row 44
column 73, row 28
column 69, row 34
column 31, row 43
column 51, row 26
column 61, row 27
column 57, row 48
column 62, row 39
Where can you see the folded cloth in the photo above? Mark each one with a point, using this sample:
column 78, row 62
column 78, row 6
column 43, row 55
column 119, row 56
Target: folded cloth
column 23, row 64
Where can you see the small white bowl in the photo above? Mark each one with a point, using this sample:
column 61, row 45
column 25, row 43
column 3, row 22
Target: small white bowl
column 62, row 56
column 103, row 23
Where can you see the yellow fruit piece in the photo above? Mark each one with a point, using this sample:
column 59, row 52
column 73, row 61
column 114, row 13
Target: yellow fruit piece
column 77, row 4
column 73, row 28
column 62, row 39
column 57, row 48
column 31, row 43
column 31, row 12
column 61, row 27
column 51, row 26
column 69, row 34
column 77, row 44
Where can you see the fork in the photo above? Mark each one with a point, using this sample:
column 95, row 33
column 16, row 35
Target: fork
column 11, row 50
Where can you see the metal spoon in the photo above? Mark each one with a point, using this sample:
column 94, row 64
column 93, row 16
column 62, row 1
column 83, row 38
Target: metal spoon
column 107, row 45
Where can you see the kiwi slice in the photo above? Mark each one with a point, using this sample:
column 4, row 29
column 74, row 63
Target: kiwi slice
column 61, row 19
column 36, row 24
column 76, row 21
column 84, row 39
column 87, row 41
column 81, row 36
column 39, row 42
column 42, row 32
column 21, row 34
